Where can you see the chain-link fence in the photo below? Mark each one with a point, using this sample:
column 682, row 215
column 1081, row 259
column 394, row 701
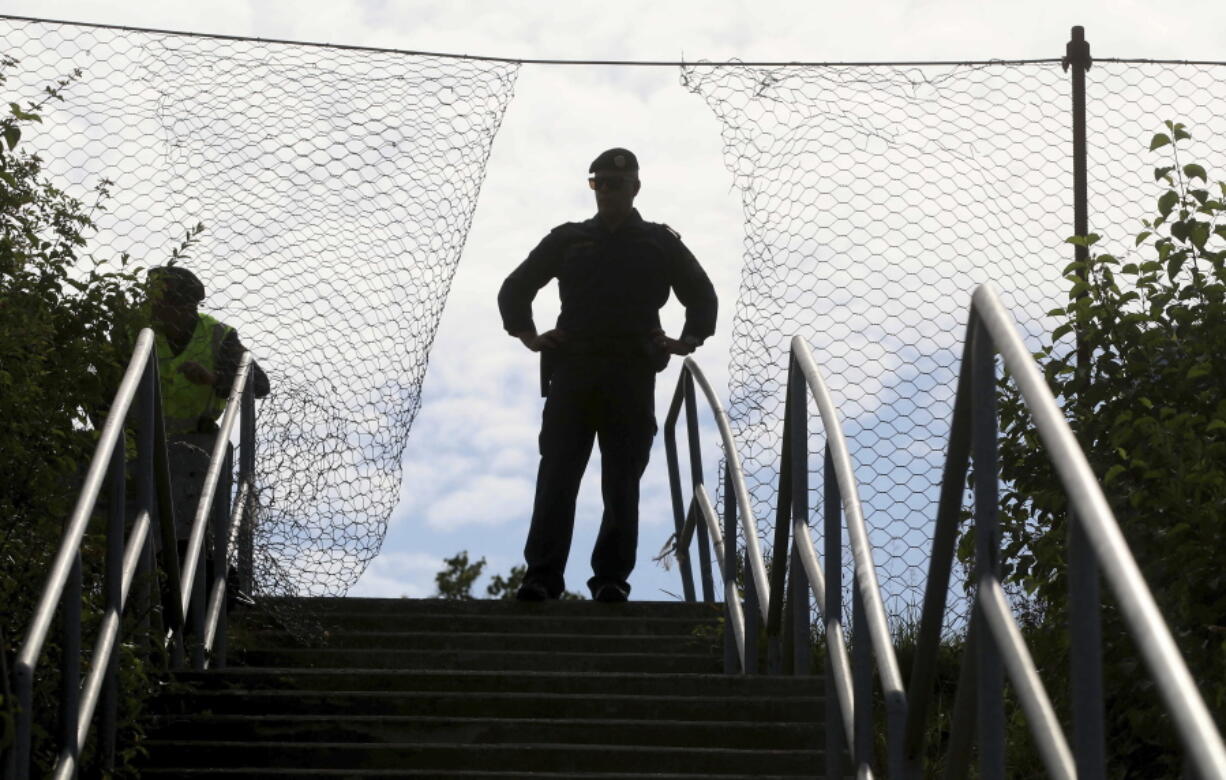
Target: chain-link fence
column 337, row 185
column 875, row 199
column 336, row 188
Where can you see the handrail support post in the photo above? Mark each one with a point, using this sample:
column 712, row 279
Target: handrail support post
column 987, row 546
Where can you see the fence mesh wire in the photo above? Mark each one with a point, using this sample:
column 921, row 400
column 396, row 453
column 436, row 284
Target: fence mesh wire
column 875, row 199
column 336, row 188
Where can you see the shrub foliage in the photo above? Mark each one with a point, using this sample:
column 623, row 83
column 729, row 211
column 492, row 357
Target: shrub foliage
column 1148, row 404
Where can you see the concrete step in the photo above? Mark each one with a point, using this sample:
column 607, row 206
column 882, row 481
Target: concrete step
column 389, row 680
column 341, row 704
column 257, row 773
column 546, row 622
column 528, row 757
column 483, row 689
column 744, row 735
column 552, row 643
column 343, row 607
column 518, row 660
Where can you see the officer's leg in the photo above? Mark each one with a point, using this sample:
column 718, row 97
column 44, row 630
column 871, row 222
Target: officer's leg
column 626, row 429
column 566, row 444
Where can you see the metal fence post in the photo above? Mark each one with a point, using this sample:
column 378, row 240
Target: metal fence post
column 1077, row 58
column 991, row 682
column 1085, row 656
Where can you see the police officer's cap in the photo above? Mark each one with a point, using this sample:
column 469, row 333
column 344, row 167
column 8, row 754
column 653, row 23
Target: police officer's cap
column 184, row 282
column 616, row 159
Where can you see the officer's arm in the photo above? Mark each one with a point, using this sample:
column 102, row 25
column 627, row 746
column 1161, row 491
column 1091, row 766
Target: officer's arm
column 520, row 288
column 695, row 292
column 227, row 366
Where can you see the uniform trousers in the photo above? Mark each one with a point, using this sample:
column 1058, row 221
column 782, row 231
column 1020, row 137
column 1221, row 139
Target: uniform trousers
column 610, row 400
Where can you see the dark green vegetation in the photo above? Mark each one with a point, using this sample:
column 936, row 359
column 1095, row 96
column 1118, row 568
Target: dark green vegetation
column 456, row 581
column 1149, row 408
column 59, row 367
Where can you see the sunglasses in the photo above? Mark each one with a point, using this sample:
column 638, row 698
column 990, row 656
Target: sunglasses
column 610, row 183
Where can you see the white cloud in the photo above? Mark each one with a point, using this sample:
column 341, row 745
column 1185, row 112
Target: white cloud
column 400, row 574
column 484, row 500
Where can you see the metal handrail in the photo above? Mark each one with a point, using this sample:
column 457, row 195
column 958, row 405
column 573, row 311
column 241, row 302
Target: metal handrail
column 217, row 461
column 991, row 330
column 841, row 495
column 127, row 560
column 736, row 503
column 994, row 643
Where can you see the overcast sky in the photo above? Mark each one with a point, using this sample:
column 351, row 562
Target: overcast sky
column 471, row 458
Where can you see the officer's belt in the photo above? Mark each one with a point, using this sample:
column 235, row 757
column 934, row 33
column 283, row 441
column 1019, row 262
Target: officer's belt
column 606, row 346
column 600, row 346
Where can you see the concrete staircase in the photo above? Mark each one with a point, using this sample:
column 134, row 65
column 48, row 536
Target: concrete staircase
column 486, row 689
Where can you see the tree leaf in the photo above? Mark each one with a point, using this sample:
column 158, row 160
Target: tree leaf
column 1175, row 264
column 1194, row 171
column 1144, row 234
column 1087, row 240
column 1158, row 141
column 1199, row 370
column 12, row 134
column 1167, row 202
column 1199, row 234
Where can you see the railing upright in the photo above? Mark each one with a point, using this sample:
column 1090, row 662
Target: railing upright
column 130, row 563
column 246, row 476
column 732, row 560
column 701, row 519
column 994, row 646
column 991, row 675
column 113, row 595
column 696, row 478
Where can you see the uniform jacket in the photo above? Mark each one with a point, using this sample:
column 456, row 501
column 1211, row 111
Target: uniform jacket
column 612, row 284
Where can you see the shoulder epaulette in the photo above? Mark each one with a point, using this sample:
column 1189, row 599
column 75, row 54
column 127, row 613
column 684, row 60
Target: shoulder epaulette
column 571, row 228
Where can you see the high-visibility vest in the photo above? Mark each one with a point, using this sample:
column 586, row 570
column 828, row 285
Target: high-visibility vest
column 184, row 402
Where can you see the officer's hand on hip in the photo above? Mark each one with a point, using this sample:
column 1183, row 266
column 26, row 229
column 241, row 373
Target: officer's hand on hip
column 683, row 346
column 197, row 374
column 550, row 339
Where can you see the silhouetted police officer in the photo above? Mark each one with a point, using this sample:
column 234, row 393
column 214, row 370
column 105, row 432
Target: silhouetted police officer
column 598, row 368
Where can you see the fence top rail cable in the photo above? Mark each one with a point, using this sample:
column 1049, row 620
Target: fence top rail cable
column 745, row 508
column 733, row 63
column 112, row 430
column 862, row 553
column 532, row 60
column 1150, row 632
